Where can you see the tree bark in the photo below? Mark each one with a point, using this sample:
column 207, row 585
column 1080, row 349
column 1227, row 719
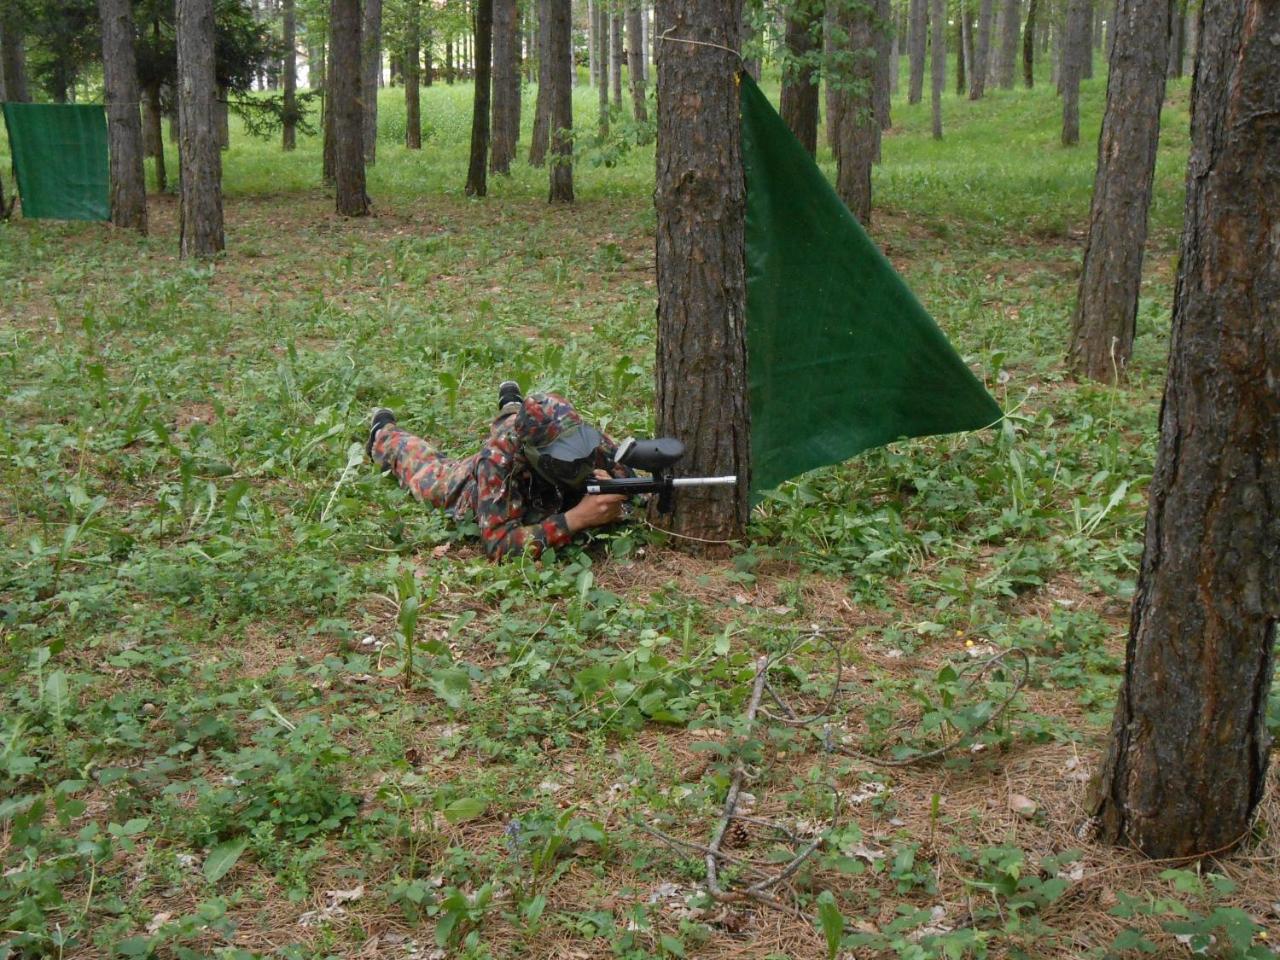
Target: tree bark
column 1029, row 45
column 477, row 181
column 593, row 42
column 938, row 64
column 915, row 49
column 1009, row 44
column 559, row 52
column 153, row 134
column 328, row 153
column 799, row 106
column 1106, row 310
column 635, row 61
column 858, row 128
column 542, row 110
column 602, row 59
column 412, row 75
column 978, row 75
column 371, row 74
column 962, row 48
column 348, row 82
column 290, row 139
column 1173, row 67
column 615, row 58
column 124, row 123
column 200, row 210
column 1086, row 48
column 506, row 85
column 833, row 85
column 700, row 199
column 1187, row 761
column 448, row 61
column 13, row 61
column 1075, row 41
column 882, row 29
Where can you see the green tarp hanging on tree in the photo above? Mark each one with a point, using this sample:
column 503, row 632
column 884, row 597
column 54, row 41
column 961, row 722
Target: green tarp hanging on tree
column 60, row 157
column 841, row 356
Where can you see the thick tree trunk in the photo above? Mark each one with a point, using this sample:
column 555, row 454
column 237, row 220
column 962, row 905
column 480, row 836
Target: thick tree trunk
column 859, row 131
column 542, row 109
column 635, row 61
column 883, row 27
column 124, row 123
column 981, row 53
column 412, row 78
column 915, row 49
column 505, row 71
column 700, row 198
column 1086, row 49
column 1102, row 327
column 13, row 61
column 290, row 75
column 938, row 63
column 477, row 181
column 348, row 81
column 1029, row 45
column 602, row 58
column 200, row 212
column 1075, row 42
column 1009, row 44
column 1187, row 762
column 799, row 107
column 371, row 74
column 559, row 51
column 615, row 58
column 153, row 134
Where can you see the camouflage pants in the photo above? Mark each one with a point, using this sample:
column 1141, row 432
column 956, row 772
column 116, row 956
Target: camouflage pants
column 421, row 469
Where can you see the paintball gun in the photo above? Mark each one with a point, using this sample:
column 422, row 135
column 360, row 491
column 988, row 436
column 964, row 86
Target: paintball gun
column 656, row 457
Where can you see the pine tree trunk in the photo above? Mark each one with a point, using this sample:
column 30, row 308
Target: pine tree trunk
column 348, row 81
column 895, row 58
column 412, row 78
column 1103, row 324
column 1009, row 44
column 602, row 58
column 124, row 123
column 1192, row 35
column 1173, row 68
column 981, row 53
column 371, row 74
column 502, row 147
column 858, row 129
column 635, row 61
column 427, row 64
column 915, row 49
column 477, row 180
column 448, row 62
column 883, row 27
column 962, row 49
column 700, row 198
column 328, row 153
column 1086, row 48
column 834, row 94
column 1075, row 40
column 200, row 211
column 1187, row 762
column 615, row 59
column 542, row 109
column 593, row 41
column 559, row 51
column 153, row 134
column 799, row 106
column 1029, row 46
column 290, row 75
column 13, row 60
column 938, row 64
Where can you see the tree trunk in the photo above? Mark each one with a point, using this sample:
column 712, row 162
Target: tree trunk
column 412, row 79
column 1187, row 762
column 799, row 107
column 1009, row 44
column 13, row 61
column 1173, row 67
column 290, row 75
column 330, row 147
column 477, row 182
column 200, row 212
column 593, row 41
column 895, row 58
column 915, row 49
column 1190, row 45
column 938, row 64
column 348, row 82
column 978, row 75
column 502, row 147
column 615, row 59
column 559, row 51
column 448, row 61
column 124, row 123
column 371, row 74
column 962, row 48
column 700, row 198
column 1086, row 47
column 1074, row 41
column 831, row 54
column 153, row 134
column 1102, row 326
column 602, row 58
column 635, row 61
column 882, row 27
column 542, row 109
column 858, row 128
column 1029, row 45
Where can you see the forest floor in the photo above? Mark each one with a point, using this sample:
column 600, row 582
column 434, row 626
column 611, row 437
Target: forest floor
column 212, row 742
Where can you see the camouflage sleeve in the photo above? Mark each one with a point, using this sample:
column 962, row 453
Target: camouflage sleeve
column 499, row 512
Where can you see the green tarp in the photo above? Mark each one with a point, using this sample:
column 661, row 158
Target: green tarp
column 841, row 356
column 60, row 157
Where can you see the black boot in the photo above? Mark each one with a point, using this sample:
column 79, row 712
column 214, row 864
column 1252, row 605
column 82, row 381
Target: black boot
column 509, row 392
column 381, row 417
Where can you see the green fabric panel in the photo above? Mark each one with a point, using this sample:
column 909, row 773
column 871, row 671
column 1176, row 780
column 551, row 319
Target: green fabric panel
column 841, row 356
column 60, row 157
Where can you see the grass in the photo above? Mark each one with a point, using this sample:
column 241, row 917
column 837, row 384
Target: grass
column 210, row 740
